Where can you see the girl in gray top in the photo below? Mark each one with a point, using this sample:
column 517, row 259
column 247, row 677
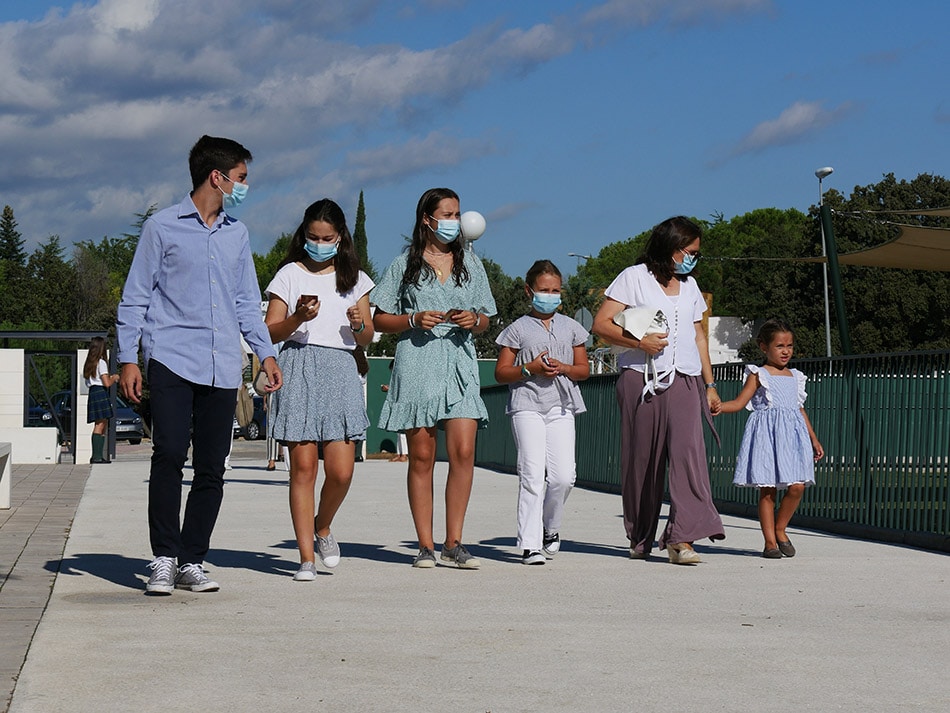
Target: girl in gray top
column 542, row 358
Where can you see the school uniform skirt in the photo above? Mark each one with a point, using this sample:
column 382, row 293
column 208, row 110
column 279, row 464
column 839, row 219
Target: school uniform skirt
column 98, row 407
column 321, row 398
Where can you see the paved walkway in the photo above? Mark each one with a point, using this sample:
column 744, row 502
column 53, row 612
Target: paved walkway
column 845, row 626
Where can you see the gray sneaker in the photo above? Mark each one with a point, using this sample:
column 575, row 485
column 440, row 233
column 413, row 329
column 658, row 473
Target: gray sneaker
column 192, row 576
column 425, row 559
column 460, row 556
column 306, row 573
column 328, row 550
column 162, row 580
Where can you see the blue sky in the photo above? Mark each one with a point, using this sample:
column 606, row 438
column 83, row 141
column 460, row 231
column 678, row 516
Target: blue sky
column 568, row 125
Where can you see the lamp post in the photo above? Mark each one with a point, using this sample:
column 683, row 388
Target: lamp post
column 579, row 256
column 821, row 174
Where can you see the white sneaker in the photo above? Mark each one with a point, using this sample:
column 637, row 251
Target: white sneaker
column 532, row 557
column 551, row 544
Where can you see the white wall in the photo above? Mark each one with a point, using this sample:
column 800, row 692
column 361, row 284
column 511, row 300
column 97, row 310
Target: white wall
column 30, row 445
column 726, row 335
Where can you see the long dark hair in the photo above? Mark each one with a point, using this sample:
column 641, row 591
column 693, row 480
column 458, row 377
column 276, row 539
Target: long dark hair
column 667, row 238
column 416, row 265
column 346, row 262
column 97, row 351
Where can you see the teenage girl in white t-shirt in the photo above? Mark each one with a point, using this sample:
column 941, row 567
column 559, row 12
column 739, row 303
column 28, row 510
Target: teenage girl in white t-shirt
column 321, row 404
column 98, row 407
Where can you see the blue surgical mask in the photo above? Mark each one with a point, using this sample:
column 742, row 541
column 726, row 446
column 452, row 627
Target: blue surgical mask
column 687, row 266
column 545, row 302
column 447, row 231
column 321, row 252
column 236, row 196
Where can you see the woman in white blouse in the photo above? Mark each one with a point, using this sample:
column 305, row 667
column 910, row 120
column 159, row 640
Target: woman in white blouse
column 662, row 424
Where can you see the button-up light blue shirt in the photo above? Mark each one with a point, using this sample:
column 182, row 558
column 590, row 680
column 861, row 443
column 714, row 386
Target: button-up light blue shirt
column 190, row 294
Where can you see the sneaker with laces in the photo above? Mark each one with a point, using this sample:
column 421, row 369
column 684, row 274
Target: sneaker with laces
column 425, row 559
column 532, row 557
column 192, row 576
column 328, row 550
column 306, row 573
column 462, row 558
column 162, row 579
column 551, row 544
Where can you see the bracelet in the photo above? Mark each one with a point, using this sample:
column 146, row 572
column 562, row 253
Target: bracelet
column 711, row 385
column 357, row 331
column 412, row 324
column 525, row 373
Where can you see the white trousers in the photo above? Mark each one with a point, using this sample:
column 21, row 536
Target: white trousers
column 545, row 444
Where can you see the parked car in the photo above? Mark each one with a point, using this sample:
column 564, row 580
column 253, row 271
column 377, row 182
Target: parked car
column 128, row 424
column 36, row 415
column 257, row 428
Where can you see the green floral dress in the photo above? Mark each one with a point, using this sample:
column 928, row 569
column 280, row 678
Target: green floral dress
column 435, row 375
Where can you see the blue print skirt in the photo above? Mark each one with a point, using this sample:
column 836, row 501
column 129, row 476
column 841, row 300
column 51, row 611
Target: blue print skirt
column 321, row 398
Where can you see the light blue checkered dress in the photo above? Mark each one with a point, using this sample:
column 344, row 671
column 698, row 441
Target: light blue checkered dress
column 776, row 449
column 435, row 374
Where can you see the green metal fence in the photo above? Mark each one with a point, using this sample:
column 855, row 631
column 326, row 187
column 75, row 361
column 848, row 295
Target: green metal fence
column 884, row 422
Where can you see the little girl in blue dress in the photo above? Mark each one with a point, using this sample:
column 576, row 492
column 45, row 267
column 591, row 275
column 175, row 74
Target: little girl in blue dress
column 779, row 447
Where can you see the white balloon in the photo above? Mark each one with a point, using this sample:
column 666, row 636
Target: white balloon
column 473, row 225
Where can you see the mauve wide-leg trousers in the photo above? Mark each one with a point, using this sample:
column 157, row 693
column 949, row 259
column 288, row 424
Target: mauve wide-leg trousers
column 664, row 429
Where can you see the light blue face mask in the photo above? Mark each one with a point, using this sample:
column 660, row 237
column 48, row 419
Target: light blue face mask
column 687, row 266
column 236, row 196
column 321, row 252
column 447, row 231
column 545, row 302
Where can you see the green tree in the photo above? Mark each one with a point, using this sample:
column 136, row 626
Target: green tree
column 360, row 240
column 51, row 302
column 266, row 265
column 888, row 309
column 11, row 242
column 14, row 286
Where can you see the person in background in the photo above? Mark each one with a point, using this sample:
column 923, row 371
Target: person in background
column 542, row 357
column 99, row 407
column 190, row 294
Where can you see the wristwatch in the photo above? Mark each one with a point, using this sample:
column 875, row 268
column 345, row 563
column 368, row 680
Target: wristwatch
column 711, row 385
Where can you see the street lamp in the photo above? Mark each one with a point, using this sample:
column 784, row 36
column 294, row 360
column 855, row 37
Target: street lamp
column 821, row 174
column 579, row 256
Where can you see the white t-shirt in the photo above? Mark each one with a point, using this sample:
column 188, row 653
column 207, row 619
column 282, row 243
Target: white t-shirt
column 330, row 328
column 96, row 380
column 637, row 287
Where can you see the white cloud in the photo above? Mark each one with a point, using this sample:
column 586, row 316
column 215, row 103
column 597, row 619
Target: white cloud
column 796, row 123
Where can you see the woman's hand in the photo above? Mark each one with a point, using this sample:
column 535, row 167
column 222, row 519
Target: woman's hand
column 653, row 344
column 426, row 319
column 712, row 398
column 464, row 318
column 307, row 308
column 355, row 317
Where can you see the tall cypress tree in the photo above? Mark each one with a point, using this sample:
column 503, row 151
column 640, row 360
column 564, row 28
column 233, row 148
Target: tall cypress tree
column 359, row 239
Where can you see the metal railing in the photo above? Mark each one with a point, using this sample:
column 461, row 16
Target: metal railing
column 883, row 419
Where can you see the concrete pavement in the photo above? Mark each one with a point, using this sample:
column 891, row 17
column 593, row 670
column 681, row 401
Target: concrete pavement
column 845, row 626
